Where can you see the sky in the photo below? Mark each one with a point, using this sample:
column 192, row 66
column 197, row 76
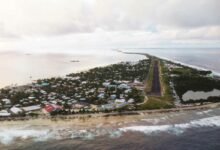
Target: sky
column 77, row 25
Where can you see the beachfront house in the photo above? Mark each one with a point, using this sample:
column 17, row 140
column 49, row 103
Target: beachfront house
column 4, row 113
column 15, row 110
column 51, row 108
column 32, row 108
column 106, row 107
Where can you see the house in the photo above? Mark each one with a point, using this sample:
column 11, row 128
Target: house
column 113, row 96
column 84, row 82
column 111, row 86
column 31, row 97
column 80, row 105
column 120, row 100
column 43, row 92
column 127, row 91
column 6, row 101
column 120, row 105
column 82, row 99
column 131, row 100
column 107, row 107
column 31, row 108
column 44, row 84
column 101, row 90
column 16, row 110
column 105, row 84
column 121, row 95
column 123, row 86
column 4, row 113
column 101, row 95
column 52, row 107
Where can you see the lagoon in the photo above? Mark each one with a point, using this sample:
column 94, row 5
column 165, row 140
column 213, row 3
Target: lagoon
column 21, row 68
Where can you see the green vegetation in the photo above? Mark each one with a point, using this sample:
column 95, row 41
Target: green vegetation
column 114, row 87
column 118, row 87
column 155, row 103
column 164, row 101
column 186, row 79
column 165, row 82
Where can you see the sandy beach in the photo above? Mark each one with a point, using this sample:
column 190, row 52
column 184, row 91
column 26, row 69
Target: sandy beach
column 106, row 119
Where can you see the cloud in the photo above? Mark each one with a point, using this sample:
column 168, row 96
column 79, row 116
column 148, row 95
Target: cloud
column 5, row 35
column 126, row 21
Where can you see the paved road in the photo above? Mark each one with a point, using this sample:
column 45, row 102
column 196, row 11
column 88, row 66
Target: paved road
column 156, row 87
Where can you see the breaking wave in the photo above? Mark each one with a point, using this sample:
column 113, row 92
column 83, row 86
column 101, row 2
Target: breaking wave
column 7, row 135
column 175, row 128
column 10, row 134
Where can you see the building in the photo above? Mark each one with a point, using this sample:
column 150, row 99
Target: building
column 107, row 107
column 15, row 110
column 123, row 86
column 120, row 100
column 52, row 107
column 31, row 108
column 4, row 113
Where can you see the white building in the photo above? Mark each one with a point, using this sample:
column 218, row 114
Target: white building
column 123, row 86
column 6, row 101
column 105, row 84
column 16, row 110
column 131, row 100
column 101, row 95
column 120, row 100
column 31, row 108
column 4, row 113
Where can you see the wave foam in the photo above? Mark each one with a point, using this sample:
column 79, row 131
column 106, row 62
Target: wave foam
column 8, row 135
column 175, row 128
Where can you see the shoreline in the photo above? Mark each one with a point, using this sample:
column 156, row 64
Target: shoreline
column 112, row 114
column 27, row 81
column 174, row 61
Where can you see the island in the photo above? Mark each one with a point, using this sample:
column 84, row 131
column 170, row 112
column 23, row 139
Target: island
column 146, row 86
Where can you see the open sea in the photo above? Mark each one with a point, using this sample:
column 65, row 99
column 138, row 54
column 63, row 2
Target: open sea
column 203, row 58
column 193, row 130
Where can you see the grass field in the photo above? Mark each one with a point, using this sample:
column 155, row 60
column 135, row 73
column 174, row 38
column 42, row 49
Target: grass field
column 159, row 102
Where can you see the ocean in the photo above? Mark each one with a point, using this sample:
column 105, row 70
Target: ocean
column 22, row 68
column 203, row 58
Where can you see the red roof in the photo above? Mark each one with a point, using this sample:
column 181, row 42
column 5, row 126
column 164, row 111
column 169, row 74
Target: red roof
column 52, row 107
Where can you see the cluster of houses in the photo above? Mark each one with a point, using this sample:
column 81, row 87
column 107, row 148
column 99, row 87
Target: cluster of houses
column 94, row 90
column 7, row 109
